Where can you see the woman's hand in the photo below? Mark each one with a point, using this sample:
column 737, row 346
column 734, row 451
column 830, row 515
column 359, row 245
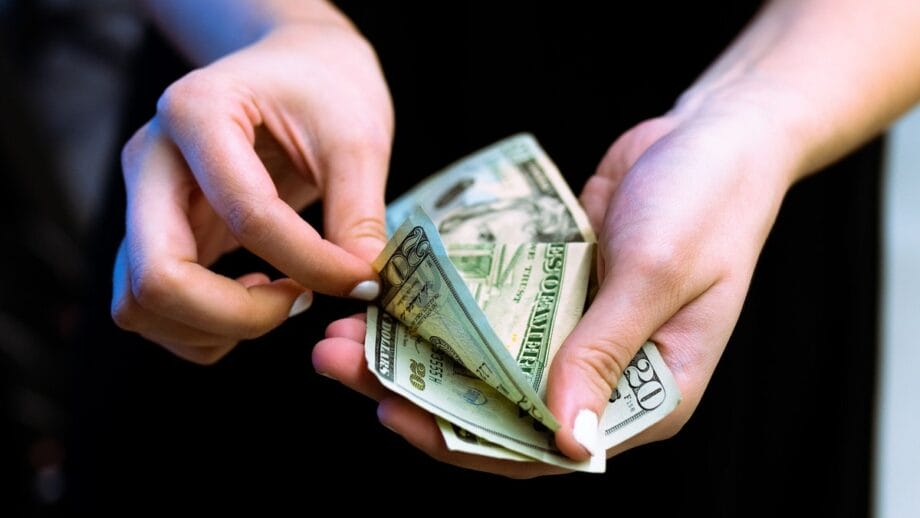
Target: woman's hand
column 234, row 151
column 683, row 204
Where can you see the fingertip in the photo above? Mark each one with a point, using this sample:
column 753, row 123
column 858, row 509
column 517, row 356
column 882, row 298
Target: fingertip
column 578, row 405
column 390, row 411
column 365, row 290
column 569, row 445
column 585, row 430
column 414, row 424
column 203, row 356
column 565, row 401
column 383, row 412
column 387, row 414
column 579, row 436
column 352, row 328
column 333, row 270
column 259, row 284
column 343, row 360
column 332, row 356
column 301, row 303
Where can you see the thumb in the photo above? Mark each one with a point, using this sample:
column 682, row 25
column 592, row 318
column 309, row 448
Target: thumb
column 628, row 309
column 353, row 208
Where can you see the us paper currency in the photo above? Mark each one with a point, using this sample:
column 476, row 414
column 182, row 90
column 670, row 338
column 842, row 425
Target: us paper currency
column 423, row 374
column 645, row 394
column 514, row 281
column 422, row 289
column 509, row 192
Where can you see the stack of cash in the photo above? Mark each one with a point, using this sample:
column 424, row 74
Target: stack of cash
column 487, row 270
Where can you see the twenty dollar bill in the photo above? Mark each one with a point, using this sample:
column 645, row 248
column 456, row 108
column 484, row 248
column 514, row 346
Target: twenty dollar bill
column 422, row 289
column 479, row 317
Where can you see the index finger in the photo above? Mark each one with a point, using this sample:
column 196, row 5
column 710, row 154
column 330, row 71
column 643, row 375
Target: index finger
column 162, row 260
column 215, row 135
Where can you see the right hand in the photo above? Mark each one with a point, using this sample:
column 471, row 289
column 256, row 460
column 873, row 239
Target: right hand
column 234, row 151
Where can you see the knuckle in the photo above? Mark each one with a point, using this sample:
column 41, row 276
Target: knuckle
column 601, row 363
column 248, row 221
column 195, row 351
column 204, row 355
column 365, row 141
column 154, row 288
column 369, row 226
column 125, row 313
column 197, row 89
column 254, row 320
column 362, row 227
column 133, row 148
column 662, row 264
column 375, row 139
column 631, row 145
column 256, row 328
column 209, row 356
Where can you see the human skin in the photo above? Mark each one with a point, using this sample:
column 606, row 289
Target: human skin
column 295, row 110
column 289, row 107
column 683, row 204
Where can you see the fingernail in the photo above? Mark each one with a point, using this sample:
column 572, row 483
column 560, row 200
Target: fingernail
column 388, row 428
column 325, row 375
column 301, row 304
column 365, row 290
column 585, row 430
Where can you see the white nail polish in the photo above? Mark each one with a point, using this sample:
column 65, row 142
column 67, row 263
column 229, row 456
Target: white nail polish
column 366, row 290
column 585, row 430
column 301, row 304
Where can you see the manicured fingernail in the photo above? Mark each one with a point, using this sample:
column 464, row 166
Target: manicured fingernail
column 301, row 304
column 365, row 290
column 585, row 430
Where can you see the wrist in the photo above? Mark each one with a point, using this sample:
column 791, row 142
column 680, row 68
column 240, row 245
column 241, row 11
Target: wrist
column 192, row 28
column 307, row 14
column 778, row 123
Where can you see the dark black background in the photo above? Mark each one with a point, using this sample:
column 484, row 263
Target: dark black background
column 784, row 426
